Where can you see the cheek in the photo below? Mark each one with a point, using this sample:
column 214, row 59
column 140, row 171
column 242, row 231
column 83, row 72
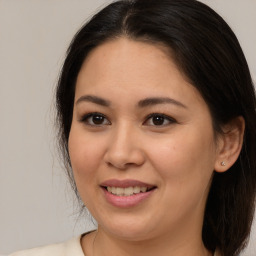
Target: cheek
column 185, row 164
column 185, row 158
column 84, row 155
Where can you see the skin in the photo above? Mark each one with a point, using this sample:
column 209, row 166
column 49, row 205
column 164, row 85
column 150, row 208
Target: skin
column 178, row 156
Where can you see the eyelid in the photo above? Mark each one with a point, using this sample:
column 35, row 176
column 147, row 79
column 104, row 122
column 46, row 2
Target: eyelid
column 170, row 119
column 85, row 117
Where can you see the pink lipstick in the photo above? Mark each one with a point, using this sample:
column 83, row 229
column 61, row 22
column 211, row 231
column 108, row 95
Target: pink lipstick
column 126, row 193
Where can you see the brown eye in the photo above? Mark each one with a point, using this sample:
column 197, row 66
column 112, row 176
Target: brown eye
column 159, row 120
column 95, row 119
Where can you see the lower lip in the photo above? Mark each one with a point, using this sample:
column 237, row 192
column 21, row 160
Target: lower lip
column 126, row 201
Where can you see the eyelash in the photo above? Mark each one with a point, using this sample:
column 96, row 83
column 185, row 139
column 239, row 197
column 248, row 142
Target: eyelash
column 86, row 119
column 164, row 117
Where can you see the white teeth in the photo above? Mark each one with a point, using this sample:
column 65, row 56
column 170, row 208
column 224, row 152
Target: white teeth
column 143, row 189
column 119, row 191
column 113, row 190
column 126, row 191
column 136, row 190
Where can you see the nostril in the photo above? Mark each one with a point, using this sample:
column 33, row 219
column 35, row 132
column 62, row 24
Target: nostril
column 124, row 153
column 123, row 163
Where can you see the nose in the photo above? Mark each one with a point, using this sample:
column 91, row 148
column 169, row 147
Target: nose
column 124, row 149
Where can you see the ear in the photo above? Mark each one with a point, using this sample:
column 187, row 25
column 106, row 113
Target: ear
column 229, row 144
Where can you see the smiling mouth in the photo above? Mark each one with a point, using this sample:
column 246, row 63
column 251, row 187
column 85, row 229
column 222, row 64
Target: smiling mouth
column 126, row 193
column 129, row 191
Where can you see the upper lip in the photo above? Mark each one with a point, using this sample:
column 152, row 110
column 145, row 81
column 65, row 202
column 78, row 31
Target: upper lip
column 125, row 183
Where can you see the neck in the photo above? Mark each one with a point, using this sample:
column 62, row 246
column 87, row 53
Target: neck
column 101, row 243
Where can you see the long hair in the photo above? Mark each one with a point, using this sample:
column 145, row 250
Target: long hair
column 206, row 50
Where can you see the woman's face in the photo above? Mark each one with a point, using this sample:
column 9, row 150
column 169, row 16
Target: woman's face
column 141, row 144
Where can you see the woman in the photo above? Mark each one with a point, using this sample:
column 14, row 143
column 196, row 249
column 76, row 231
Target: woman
column 156, row 110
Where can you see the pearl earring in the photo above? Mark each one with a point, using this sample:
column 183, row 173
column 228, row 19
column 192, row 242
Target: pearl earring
column 223, row 163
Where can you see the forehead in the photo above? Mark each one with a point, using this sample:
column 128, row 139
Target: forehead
column 123, row 65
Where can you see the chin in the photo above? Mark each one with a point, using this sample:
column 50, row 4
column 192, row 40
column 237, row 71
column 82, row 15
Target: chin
column 129, row 230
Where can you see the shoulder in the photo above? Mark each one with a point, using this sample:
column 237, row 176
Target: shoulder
column 69, row 248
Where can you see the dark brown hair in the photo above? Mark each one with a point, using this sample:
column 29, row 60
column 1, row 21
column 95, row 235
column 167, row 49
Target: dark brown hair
column 208, row 53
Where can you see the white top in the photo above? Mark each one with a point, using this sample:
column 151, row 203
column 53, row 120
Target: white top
column 70, row 248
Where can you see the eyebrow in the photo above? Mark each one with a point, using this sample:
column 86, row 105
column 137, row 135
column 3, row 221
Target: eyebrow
column 142, row 103
column 159, row 100
column 93, row 99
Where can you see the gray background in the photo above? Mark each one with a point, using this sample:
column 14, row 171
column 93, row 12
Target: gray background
column 36, row 204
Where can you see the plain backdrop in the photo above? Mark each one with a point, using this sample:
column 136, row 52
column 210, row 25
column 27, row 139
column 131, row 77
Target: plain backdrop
column 36, row 204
